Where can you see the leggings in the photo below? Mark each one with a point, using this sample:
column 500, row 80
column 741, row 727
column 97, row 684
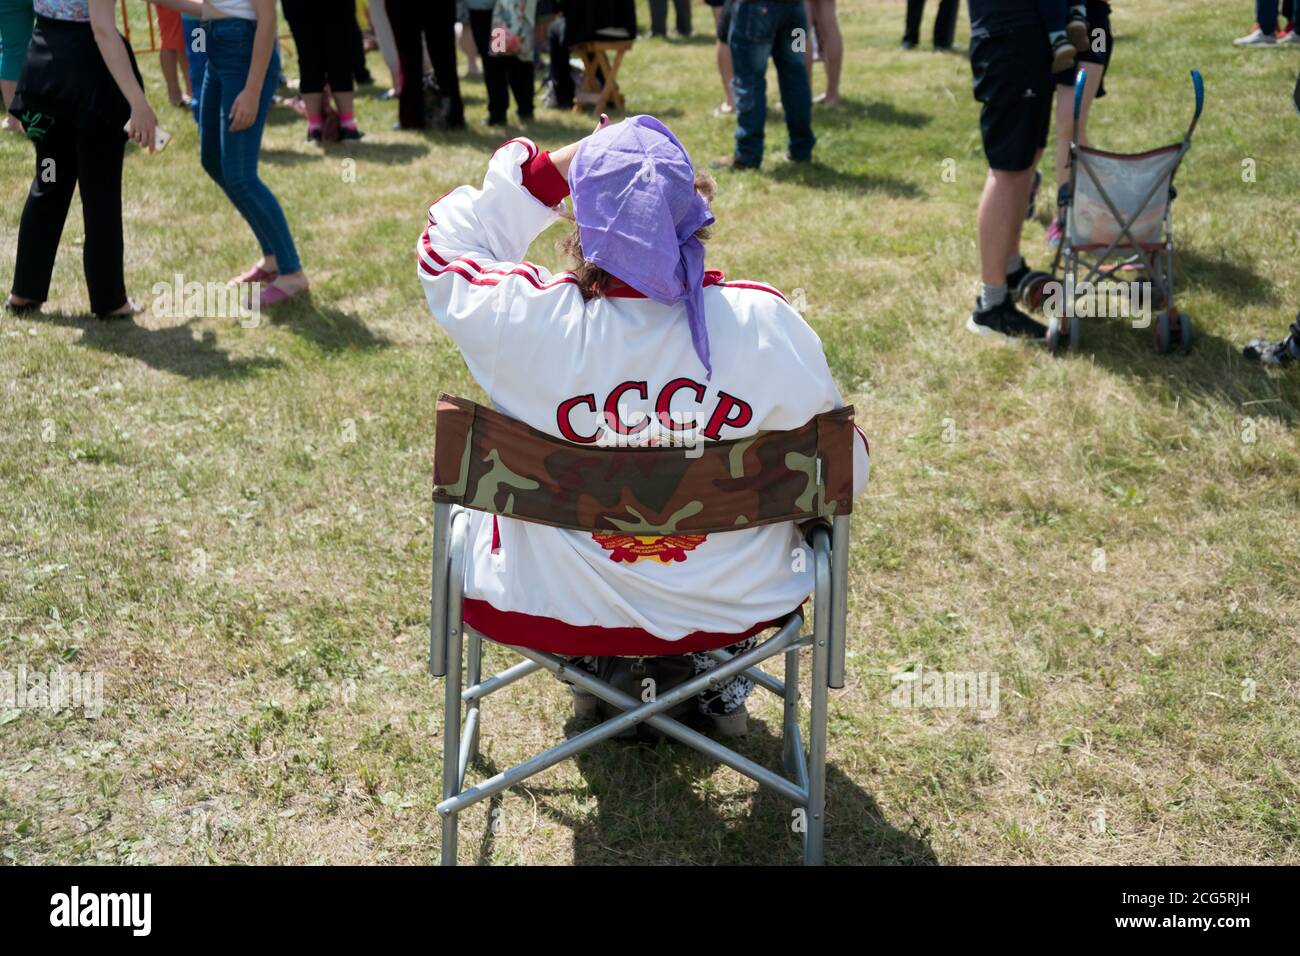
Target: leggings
column 325, row 42
column 16, row 19
column 231, row 158
column 89, row 157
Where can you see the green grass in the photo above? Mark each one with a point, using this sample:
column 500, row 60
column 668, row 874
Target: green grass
column 181, row 510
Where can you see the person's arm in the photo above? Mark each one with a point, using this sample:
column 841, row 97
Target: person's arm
column 243, row 112
column 495, row 306
column 113, row 49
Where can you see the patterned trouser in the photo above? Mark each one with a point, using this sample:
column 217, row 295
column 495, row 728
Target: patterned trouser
column 722, row 699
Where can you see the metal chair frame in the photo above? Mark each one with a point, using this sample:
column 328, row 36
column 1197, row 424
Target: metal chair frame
column 804, row 783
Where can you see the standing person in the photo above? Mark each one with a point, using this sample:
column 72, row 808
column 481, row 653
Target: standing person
column 323, row 33
column 170, row 57
column 722, row 23
column 1093, row 61
column 659, row 17
column 759, row 31
column 1012, row 67
column 502, row 72
column 1265, row 30
column 242, row 73
column 945, row 24
column 823, row 18
column 79, row 87
column 417, row 24
column 16, row 19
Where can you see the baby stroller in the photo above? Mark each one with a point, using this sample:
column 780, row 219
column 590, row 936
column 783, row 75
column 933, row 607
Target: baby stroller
column 1117, row 219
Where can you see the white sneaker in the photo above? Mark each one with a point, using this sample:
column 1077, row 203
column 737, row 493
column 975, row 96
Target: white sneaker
column 1256, row 37
column 1290, row 39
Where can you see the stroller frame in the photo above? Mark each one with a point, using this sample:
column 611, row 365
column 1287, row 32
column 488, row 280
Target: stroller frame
column 1083, row 266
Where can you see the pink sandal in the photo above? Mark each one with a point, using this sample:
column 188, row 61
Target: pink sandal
column 255, row 274
column 274, row 295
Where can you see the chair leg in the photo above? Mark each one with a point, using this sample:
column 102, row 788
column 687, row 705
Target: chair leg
column 451, row 742
column 813, row 852
column 473, row 675
column 451, row 726
column 790, row 723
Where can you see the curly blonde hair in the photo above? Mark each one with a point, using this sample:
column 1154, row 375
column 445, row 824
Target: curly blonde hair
column 592, row 279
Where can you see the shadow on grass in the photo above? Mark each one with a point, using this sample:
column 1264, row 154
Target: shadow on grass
column 820, row 176
column 654, row 805
column 176, row 349
column 388, row 153
column 172, row 349
column 1235, row 282
column 1214, row 371
column 851, row 112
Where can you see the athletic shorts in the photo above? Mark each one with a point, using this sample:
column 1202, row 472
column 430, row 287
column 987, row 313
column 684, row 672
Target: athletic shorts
column 169, row 25
column 1013, row 83
column 724, row 21
column 1098, row 18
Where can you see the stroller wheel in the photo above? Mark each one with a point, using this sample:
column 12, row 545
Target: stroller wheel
column 1076, row 333
column 1032, row 289
column 1184, row 331
column 1162, row 333
column 1053, row 334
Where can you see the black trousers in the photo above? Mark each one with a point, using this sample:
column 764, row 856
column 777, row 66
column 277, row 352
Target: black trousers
column 501, row 74
column 659, row 17
column 324, row 38
column 945, row 22
column 68, row 157
column 417, row 23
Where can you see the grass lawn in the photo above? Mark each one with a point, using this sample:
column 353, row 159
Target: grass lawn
column 232, row 524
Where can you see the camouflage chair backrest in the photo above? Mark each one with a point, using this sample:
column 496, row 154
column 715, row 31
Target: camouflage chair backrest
column 487, row 461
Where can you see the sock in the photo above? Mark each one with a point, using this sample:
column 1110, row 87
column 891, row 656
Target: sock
column 1015, row 264
column 1057, row 37
column 313, row 123
column 991, row 295
column 348, row 120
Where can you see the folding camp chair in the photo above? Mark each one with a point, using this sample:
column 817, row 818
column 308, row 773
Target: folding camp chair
column 1118, row 218
column 485, row 461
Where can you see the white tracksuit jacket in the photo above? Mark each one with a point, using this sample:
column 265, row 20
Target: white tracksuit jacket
column 548, row 358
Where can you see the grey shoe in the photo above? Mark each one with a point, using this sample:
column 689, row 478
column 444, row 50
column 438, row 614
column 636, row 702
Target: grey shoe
column 734, row 724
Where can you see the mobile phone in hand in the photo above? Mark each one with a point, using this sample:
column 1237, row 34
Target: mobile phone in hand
column 160, row 137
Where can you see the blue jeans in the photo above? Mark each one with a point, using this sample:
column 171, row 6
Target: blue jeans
column 196, row 54
column 231, row 158
column 759, row 30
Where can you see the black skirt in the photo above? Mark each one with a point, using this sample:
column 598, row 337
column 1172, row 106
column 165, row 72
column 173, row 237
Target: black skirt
column 65, row 80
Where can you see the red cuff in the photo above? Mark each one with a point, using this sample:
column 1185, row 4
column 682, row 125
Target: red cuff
column 544, row 181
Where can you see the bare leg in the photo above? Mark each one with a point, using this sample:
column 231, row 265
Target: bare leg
column 7, row 89
column 1065, row 118
column 170, row 61
column 314, row 102
column 465, row 37
column 832, row 47
column 1001, row 214
column 724, row 67
column 345, row 102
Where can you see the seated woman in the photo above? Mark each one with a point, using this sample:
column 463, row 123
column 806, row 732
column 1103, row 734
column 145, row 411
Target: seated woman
column 639, row 344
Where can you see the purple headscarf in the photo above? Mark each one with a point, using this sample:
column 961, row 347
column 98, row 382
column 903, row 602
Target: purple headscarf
column 637, row 211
